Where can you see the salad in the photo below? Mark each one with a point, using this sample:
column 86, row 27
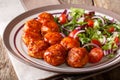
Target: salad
column 92, row 31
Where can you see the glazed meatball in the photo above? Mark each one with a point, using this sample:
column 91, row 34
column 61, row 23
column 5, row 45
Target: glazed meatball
column 43, row 17
column 32, row 26
column 28, row 36
column 49, row 26
column 53, row 37
column 77, row 57
column 55, row 55
column 69, row 43
column 37, row 49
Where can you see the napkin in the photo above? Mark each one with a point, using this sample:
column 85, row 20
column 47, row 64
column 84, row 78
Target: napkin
column 26, row 72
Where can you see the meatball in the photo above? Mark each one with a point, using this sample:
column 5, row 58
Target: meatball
column 77, row 57
column 32, row 26
column 69, row 43
column 55, row 55
column 49, row 26
column 36, row 49
column 53, row 37
column 43, row 17
column 28, row 36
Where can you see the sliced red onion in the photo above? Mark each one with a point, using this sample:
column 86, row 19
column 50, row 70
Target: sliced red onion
column 100, row 17
column 63, row 35
column 81, row 19
column 91, row 13
column 69, row 17
column 119, row 44
column 112, row 20
column 66, row 29
column 105, row 52
column 110, row 51
column 90, row 44
column 64, row 12
column 78, row 33
column 78, row 28
column 104, row 40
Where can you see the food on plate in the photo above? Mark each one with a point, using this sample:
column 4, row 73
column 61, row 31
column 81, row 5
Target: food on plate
column 73, row 33
column 92, row 30
column 36, row 49
column 53, row 37
column 77, row 57
column 43, row 17
column 95, row 55
column 55, row 55
column 74, row 37
column 49, row 26
column 69, row 43
column 32, row 26
column 63, row 18
column 27, row 37
column 31, row 30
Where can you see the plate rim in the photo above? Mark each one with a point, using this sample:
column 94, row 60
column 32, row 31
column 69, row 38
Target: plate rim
column 51, row 7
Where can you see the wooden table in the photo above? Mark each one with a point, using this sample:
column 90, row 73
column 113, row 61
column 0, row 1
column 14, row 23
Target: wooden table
column 6, row 70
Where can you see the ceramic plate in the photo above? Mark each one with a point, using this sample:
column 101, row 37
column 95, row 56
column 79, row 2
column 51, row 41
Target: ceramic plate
column 13, row 41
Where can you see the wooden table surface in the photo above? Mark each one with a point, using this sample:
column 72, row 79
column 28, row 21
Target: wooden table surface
column 6, row 70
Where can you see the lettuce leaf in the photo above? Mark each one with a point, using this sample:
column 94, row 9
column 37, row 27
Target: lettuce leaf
column 75, row 13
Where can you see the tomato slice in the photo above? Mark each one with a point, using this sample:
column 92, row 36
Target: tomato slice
column 90, row 23
column 95, row 55
column 72, row 34
column 111, row 29
column 116, row 40
column 97, row 42
column 63, row 19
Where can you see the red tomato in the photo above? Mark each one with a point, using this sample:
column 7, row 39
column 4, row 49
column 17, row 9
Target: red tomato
column 95, row 55
column 63, row 19
column 116, row 40
column 97, row 42
column 111, row 29
column 90, row 23
column 72, row 34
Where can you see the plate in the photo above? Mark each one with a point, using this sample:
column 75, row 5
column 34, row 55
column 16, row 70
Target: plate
column 13, row 41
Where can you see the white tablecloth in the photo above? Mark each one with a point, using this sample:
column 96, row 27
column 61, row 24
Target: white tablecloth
column 9, row 9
